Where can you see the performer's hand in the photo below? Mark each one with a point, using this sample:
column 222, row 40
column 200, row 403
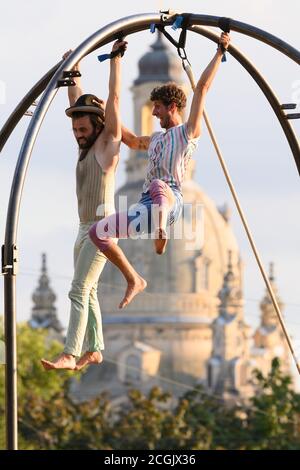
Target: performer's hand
column 120, row 45
column 66, row 55
column 224, row 40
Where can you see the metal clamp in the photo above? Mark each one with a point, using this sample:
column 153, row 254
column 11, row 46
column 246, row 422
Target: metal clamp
column 65, row 82
column 29, row 112
column 293, row 116
column 289, row 106
column 166, row 15
column 13, row 267
column 71, row 73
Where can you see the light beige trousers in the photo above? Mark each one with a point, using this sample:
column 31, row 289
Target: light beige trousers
column 85, row 324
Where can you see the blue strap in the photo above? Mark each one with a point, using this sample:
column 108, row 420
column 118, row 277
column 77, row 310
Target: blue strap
column 152, row 28
column 224, row 24
column 177, row 23
column 224, row 58
column 113, row 54
column 103, row 57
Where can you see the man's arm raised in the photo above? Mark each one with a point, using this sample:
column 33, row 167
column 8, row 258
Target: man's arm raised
column 203, row 85
column 112, row 127
column 74, row 92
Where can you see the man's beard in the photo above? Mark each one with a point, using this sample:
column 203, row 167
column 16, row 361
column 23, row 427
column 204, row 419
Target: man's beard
column 87, row 142
column 164, row 123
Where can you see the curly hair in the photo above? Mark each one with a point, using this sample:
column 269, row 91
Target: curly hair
column 169, row 93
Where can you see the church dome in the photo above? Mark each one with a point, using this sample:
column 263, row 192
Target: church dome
column 160, row 64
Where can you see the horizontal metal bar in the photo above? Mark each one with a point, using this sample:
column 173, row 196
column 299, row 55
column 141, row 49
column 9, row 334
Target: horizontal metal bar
column 293, row 116
column 289, row 106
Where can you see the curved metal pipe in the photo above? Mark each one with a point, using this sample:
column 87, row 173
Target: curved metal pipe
column 204, row 20
column 265, row 88
column 252, row 31
column 23, row 106
column 9, row 258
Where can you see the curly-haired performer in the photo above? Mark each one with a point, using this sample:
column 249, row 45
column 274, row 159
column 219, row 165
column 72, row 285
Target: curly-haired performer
column 169, row 153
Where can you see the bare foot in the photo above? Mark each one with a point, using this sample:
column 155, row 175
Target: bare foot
column 65, row 361
column 133, row 288
column 90, row 357
column 161, row 240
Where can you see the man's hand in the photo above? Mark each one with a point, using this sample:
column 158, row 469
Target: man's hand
column 122, row 45
column 224, row 40
column 66, row 55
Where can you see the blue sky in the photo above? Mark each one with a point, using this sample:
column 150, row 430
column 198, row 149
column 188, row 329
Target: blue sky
column 34, row 36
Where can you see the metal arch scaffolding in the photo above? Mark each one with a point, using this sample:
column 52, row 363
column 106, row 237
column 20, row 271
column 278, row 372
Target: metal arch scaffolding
column 48, row 85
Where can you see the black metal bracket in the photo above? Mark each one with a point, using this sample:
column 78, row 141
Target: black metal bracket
column 2, row 259
column 71, row 73
column 13, row 267
column 224, row 24
column 289, row 106
column 184, row 23
column 29, row 112
column 293, row 116
column 65, row 82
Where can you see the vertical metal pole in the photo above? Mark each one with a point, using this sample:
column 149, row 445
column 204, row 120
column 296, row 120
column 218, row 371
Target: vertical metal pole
column 11, row 405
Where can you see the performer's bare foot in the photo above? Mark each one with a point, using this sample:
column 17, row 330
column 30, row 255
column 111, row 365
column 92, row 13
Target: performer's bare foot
column 161, row 240
column 133, row 288
column 65, row 361
column 90, row 357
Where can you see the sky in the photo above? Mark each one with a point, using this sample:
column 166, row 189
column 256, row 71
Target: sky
column 33, row 37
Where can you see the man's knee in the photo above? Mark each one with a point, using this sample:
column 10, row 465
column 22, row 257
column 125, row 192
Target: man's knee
column 102, row 243
column 157, row 185
column 79, row 289
column 161, row 193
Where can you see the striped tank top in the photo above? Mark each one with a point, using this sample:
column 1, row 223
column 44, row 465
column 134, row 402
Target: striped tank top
column 169, row 153
column 94, row 188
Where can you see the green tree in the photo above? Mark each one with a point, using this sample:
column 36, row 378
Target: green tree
column 32, row 379
column 50, row 419
column 148, row 422
column 274, row 413
column 223, row 425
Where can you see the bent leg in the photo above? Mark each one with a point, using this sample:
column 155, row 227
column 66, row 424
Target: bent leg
column 102, row 234
column 163, row 197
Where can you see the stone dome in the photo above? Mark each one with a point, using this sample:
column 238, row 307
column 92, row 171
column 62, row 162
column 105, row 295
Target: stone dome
column 161, row 64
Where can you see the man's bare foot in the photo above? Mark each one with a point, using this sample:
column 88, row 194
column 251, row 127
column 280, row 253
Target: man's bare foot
column 161, row 240
column 90, row 357
column 133, row 288
column 65, row 361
